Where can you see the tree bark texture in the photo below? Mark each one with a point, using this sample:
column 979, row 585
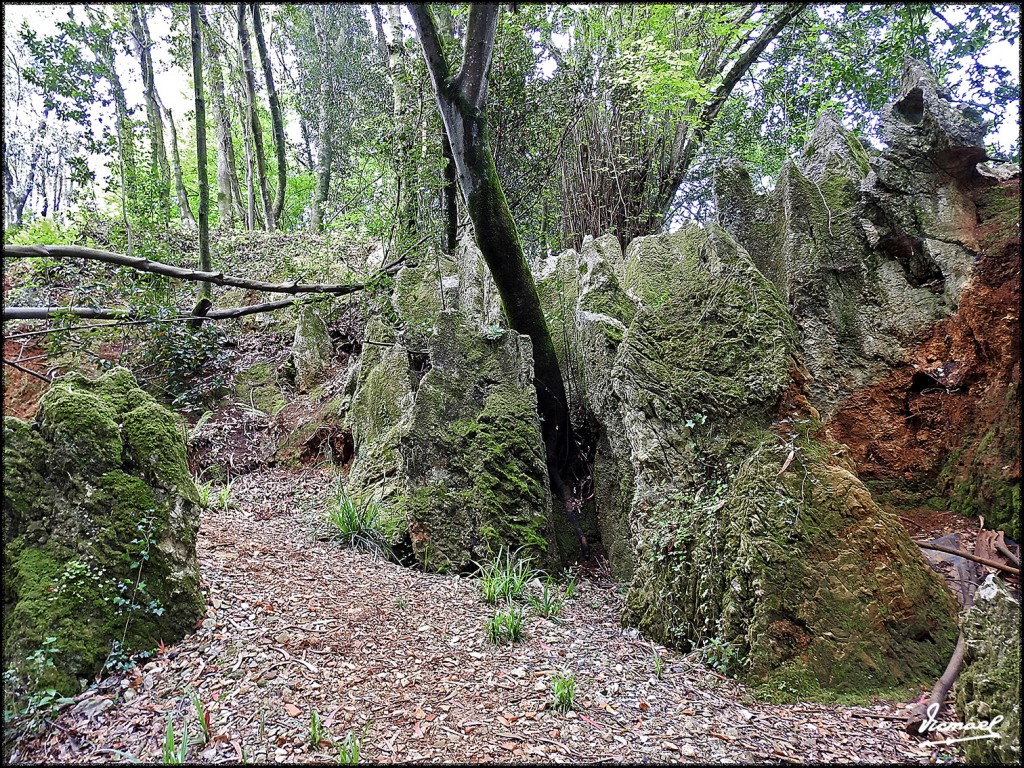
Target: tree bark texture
column 204, row 186
column 255, row 129
column 276, row 117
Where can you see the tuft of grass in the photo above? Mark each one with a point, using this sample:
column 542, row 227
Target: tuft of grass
column 563, row 691
column 205, row 491
column 550, row 603
column 358, row 523
column 350, row 747
column 317, row 731
column 224, row 496
column 204, row 715
column 175, row 753
column 659, row 665
column 505, row 626
column 505, row 577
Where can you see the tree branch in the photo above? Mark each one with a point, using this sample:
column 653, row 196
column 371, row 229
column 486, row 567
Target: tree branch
column 179, row 273
column 472, row 77
column 89, row 313
column 746, row 61
column 433, row 54
column 29, row 371
column 968, row 556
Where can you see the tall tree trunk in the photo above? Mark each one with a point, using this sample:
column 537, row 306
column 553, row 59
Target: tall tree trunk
column 398, row 66
column 461, row 102
column 229, row 194
column 325, row 159
column 450, row 193
column 205, row 264
column 276, row 118
column 256, row 130
column 184, row 208
column 17, row 199
column 142, row 42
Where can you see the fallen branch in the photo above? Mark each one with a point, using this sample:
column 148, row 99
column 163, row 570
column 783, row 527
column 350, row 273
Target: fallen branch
column 29, row 371
column 919, row 714
column 969, row 556
column 133, row 315
column 1005, row 552
column 180, row 273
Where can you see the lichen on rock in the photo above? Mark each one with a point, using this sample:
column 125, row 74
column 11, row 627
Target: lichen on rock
column 100, row 524
column 312, row 350
column 989, row 683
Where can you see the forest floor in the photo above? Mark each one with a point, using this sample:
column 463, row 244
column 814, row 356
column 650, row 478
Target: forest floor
column 296, row 624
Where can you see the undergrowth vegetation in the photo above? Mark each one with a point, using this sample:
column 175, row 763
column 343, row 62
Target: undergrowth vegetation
column 360, row 522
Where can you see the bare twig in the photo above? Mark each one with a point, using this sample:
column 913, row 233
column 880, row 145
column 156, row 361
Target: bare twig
column 30, row 372
column 132, row 315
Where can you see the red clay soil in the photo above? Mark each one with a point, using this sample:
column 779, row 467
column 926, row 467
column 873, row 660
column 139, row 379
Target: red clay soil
column 961, row 382
column 22, row 391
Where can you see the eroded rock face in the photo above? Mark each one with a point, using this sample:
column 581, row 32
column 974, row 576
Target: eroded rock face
column 312, row 350
column 989, row 683
column 98, row 485
column 472, row 453
column 685, row 357
column 443, row 416
column 868, row 249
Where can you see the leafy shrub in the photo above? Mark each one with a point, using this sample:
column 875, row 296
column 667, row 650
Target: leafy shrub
column 28, row 706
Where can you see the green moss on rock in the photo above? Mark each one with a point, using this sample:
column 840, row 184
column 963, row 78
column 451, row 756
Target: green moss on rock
column 258, row 386
column 989, row 683
column 473, row 453
column 76, row 526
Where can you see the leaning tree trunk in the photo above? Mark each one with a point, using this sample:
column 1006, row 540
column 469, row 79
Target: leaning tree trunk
column 184, row 208
column 255, row 129
column 276, row 117
column 204, row 187
column 461, row 102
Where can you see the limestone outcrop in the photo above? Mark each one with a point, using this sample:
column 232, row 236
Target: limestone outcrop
column 989, row 683
column 717, row 492
column 868, row 248
column 444, row 422
column 100, row 524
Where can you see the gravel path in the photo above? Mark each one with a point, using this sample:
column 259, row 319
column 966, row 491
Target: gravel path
column 296, row 625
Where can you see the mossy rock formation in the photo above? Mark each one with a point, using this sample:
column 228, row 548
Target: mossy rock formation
column 472, row 450
column 100, row 525
column 684, row 353
column 989, row 683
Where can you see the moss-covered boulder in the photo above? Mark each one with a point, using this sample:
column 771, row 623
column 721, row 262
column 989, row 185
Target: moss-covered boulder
column 100, row 525
column 989, row 683
column 472, row 450
column 259, row 386
column 312, row 350
column 378, row 414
